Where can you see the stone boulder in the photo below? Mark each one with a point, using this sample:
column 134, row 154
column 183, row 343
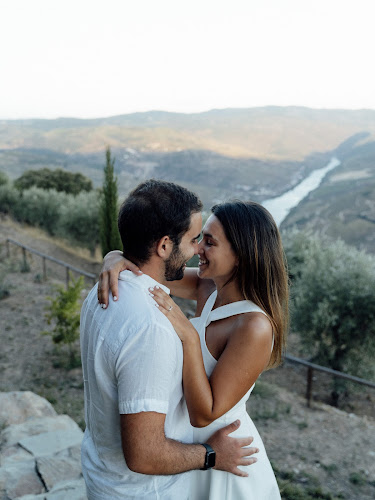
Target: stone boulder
column 39, row 451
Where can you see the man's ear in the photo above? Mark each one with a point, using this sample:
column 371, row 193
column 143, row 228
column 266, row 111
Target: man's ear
column 164, row 247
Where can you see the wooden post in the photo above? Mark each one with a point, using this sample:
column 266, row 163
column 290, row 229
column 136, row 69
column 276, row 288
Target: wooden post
column 67, row 277
column 8, row 249
column 44, row 269
column 309, row 385
column 24, row 259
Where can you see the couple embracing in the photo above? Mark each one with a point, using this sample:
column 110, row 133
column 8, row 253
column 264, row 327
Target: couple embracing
column 165, row 398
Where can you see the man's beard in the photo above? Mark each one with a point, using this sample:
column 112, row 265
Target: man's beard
column 175, row 265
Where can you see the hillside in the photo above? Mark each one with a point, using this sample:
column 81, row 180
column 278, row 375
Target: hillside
column 344, row 204
column 308, row 447
column 213, row 176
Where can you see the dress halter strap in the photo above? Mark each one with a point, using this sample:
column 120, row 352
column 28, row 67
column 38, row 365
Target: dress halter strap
column 242, row 306
column 208, row 306
column 232, row 309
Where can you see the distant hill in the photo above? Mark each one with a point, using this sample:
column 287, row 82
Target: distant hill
column 255, row 153
column 272, row 132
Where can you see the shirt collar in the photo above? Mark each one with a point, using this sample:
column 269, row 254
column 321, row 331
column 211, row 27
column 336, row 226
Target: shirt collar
column 144, row 280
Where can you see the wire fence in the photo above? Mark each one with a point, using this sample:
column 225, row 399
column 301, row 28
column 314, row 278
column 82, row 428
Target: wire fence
column 311, row 367
column 45, row 258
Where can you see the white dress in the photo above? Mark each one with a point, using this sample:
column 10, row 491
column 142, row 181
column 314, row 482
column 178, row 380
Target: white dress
column 218, row 485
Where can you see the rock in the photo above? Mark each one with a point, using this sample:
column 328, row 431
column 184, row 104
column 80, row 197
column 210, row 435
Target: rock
column 14, row 433
column 70, row 490
column 49, row 443
column 14, row 454
column 64, row 466
column 19, row 479
column 17, row 407
column 40, row 451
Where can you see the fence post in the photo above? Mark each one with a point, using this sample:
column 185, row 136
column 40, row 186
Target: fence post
column 24, row 258
column 44, row 269
column 8, row 249
column 67, row 277
column 309, row 385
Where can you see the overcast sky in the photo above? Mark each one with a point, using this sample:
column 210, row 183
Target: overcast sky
column 92, row 58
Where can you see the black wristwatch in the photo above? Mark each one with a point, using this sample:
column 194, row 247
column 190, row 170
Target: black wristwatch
column 210, row 458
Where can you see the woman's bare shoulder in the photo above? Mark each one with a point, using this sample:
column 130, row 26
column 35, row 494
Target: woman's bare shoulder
column 254, row 326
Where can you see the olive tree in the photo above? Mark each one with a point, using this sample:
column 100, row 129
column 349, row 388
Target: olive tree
column 8, row 198
column 58, row 179
column 39, row 207
column 79, row 221
column 333, row 303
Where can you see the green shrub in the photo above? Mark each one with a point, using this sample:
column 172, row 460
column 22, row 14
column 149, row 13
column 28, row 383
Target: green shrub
column 64, row 313
column 8, row 198
column 79, row 220
column 72, row 217
column 358, row 478
column 4, row 179
column 40, row 208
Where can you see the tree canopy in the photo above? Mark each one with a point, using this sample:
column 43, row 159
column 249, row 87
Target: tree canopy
column 60, row 180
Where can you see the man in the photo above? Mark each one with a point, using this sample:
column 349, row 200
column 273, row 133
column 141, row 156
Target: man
column 136, row 443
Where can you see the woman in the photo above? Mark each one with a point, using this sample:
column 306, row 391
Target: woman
column 241, row 289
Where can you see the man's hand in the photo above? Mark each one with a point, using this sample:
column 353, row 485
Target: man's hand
column 230, row 451
column 113, row 264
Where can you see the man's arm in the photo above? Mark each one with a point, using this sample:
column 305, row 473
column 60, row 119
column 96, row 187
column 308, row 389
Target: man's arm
column 148, row 451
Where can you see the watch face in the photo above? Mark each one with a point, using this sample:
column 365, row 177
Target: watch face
column 210, row 457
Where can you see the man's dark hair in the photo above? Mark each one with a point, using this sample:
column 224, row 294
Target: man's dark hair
column 152, row 210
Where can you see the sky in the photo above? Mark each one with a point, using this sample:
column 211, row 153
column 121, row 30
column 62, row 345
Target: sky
column 96, row 58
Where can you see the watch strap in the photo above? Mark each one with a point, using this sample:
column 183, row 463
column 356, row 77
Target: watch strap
column 210, row 457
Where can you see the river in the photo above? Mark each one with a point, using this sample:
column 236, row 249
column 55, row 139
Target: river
column 282, row 205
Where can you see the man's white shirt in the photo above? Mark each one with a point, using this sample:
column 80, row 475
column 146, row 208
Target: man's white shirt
column 132, row 362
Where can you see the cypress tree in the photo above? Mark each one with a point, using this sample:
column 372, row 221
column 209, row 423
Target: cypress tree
column 109, row 235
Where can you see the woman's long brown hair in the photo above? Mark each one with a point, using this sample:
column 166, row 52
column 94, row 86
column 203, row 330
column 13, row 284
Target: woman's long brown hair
column 261, row 273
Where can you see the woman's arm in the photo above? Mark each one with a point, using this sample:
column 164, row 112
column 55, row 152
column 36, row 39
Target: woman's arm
column 114, row 262
column 244, row 358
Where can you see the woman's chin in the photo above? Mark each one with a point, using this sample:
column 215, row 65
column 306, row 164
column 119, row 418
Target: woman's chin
column 202, row 271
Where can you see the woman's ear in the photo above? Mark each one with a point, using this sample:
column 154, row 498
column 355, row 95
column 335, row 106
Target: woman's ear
column 164, row 247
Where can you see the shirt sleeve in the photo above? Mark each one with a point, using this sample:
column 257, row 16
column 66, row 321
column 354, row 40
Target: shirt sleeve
column 145, row 370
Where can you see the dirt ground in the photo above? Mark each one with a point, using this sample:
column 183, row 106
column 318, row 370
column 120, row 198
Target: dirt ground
column 321, row 452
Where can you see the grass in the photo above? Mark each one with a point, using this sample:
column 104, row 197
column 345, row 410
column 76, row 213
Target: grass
column 329, row 468
column 264, row 389
column 264, row 404
column 302, row 486
column 302, row 425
